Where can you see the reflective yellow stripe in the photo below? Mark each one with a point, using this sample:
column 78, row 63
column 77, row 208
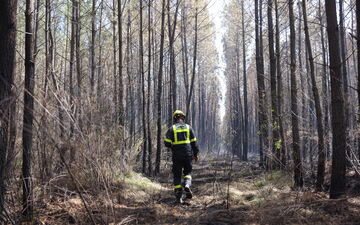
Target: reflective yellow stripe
column 187, row 130
column 193, row 140
column 188, row 176
column 177, row 186
column 168, row 140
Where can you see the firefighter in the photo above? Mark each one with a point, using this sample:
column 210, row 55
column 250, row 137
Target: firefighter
column 181, row 139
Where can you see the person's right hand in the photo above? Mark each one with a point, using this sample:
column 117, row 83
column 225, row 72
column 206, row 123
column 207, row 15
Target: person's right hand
column 195, row 158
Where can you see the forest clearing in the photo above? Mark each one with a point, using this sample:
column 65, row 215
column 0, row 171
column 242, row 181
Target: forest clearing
column 179, row 112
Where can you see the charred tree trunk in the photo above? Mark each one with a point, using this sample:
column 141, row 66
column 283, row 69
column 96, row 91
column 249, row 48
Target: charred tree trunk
column 161, row 62
column 149, row 93
column 246, row 110
column 192, row 82
column 8, row 24
column 121, row 83
column 261, row 81
column 276, row 142
column 338, row 168
column 28, row 110
column 142, row 75
column 358, row 64
column 319, row 118
column 298, row 173
column 279, row 88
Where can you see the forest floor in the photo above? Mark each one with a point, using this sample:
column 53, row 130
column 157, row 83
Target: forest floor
column 252, row 197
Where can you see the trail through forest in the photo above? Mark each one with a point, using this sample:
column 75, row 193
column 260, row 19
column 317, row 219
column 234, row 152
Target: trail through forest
column 252, row 197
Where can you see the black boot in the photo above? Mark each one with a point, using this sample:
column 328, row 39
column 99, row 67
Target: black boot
column 178, row 195
column 188, row 192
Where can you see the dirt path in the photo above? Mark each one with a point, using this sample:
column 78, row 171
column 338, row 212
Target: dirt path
column 254, row 198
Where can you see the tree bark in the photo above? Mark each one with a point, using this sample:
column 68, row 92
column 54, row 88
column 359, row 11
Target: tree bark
column 8, row 26
column 261, row 81
column 149, row 93
column 279, row 88
column 358, row 65
column 246, row 110
column 92, row 47
column 276, row 148
column 338, row 168
column 319, row 118
column 28, row 110
column 298, row 173
column 142, row 75
column 121, row 83
column 159, row 103
column 194, row 65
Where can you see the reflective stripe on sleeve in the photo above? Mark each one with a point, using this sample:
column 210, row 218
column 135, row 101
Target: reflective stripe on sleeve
column 193, row 140
column 168, row 140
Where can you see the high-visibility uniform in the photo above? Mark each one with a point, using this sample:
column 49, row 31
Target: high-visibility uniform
column 182, row 141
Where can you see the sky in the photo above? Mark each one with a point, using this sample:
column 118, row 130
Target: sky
column 216, row 8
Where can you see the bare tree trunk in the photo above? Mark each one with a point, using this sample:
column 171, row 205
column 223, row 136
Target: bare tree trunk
column 319, row 118
column 261, row 81
column 149, row 93
column 279, row 88
column 162, row 35
column 358, row 65
column 338, row 168
column 100, row 59
column 298, row 173
column 121, row 83
column 142, row 75
column 28, row 110
column 115, row 94
column 173, row 80
column 92, row 47
column 194, row 66
column 276, row 143
column 246, row 113
column 325, row 84
column 8, row 24
column 78, row 65
column 343, row 55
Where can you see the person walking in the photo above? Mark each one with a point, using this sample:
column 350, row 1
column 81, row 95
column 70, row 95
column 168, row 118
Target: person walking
column 180, row 138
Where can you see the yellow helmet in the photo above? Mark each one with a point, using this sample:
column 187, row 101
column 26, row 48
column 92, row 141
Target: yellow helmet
column 178, row 113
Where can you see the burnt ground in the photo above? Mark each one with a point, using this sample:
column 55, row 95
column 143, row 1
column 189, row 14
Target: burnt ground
column 241, row 195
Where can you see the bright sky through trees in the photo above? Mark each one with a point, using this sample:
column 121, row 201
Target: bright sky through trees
column 216, row 11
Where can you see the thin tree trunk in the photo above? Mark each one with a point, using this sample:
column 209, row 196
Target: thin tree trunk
column 343, row 53
column 92, row 47
column 149, row 93
column 276, row 148
column 115, row 94
column 319, row 118
column 100, row 59
column 78, row 65
column 279, row 88
column 298, row 174
column 194, row 65
column 121, row 85
column 246, row 113
column 28, row 110
column 71, row 66
column 338, row 168
column 142, row 75
column 162, row 35
column 261, row 81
